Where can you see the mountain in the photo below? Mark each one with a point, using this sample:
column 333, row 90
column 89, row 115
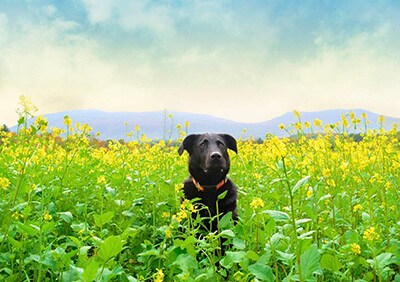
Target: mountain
column 160, row 125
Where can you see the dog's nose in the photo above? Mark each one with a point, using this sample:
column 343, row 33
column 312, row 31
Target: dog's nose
column 216, row 155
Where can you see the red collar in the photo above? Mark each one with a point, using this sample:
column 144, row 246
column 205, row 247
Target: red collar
column 201, row 188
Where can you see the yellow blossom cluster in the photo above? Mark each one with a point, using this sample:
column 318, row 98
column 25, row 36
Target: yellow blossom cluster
column 47, row 216
column 256, row 203
column 355, row 248
column 370, row 234
column 4, row 183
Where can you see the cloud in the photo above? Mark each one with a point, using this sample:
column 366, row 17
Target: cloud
column 217, row 57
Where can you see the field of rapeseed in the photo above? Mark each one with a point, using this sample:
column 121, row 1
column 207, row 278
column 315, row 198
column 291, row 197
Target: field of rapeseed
column 321, row 206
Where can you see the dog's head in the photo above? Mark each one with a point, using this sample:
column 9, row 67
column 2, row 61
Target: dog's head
column 208, row 156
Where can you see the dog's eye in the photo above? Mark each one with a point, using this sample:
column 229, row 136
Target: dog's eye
column 203, row 144
column 220, row 143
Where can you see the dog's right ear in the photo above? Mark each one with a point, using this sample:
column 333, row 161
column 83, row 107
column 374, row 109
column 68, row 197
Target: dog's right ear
column 187, row 144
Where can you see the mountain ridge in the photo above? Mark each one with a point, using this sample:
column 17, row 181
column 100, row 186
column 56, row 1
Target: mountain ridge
column 162, row 124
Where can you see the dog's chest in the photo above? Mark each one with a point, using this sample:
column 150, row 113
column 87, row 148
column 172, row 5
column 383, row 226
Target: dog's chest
column 208, row 198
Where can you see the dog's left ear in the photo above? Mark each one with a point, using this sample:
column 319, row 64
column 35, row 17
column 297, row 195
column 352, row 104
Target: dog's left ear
column 187, row 144
column 230, row 142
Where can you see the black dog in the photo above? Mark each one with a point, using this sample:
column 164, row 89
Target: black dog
column 208, row 166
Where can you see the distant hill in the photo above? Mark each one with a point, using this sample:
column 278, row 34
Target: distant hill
column 158, row 125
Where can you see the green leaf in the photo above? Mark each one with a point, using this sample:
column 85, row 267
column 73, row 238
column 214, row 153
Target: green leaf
column 110, row 248
column 186, row 262
column 227, row 233
column 327, row 196
column 287, row 258
column 277, row 215
column 300, row 184
column 66, row 216
column 225, row 220
column 330, row 262
column 252, row 255
column 239, row 244
column 90, row 271
column 102, row 219
column 365, row 216
column 270, row 227
column 381, row 261
column 16, row 244
column 222, row 195
column 32, row 258
column 28, row 229
column 227, row 261
column 83, row 250
column 21, row 120
column 262, row 272
column 307, row 235
column 232, row 257
column 309, row 262
column 302, row 220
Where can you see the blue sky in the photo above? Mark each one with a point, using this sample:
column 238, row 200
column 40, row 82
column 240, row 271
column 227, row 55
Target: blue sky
column 242, row 60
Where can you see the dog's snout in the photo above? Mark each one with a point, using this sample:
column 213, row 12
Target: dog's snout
column 216, row 155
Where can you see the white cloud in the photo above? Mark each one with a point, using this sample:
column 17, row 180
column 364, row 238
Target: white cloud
column 99, row 11
column 200, row 59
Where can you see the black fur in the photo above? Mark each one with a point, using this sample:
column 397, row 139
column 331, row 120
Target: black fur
column 209, row 164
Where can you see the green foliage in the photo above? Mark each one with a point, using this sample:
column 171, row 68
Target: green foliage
column 312, row 209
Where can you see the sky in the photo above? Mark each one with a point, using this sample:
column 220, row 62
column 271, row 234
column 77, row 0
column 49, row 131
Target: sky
column 242, row 60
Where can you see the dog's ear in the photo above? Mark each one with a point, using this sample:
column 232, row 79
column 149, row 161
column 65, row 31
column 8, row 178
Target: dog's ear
column 230, row 142
column 187, row 143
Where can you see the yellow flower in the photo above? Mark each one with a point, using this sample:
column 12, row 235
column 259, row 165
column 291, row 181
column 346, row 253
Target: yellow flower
column 178, row 187
column 309, row 193
column 137, row 128
column 27, row 105
column 168, row 233
column 188, row 206
column 331, row 182
column 47, row 216
column 4, row 183
column 326, row 172
column 296, row 114
column 159, row 276
column 370, row 234
column 345, row 122
column 16, row 215
column 381, row 119
column 307, row 124
column 101, row 180
column 357, row 207
column 41, row 123
column 281, row 126
column 180, row 215
column 33, row 187
column 317, row 123
column 256, row 203
column 67, row 121
column 355, row 248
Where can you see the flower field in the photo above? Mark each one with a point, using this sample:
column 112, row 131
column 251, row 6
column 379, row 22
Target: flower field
column 321, row 206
